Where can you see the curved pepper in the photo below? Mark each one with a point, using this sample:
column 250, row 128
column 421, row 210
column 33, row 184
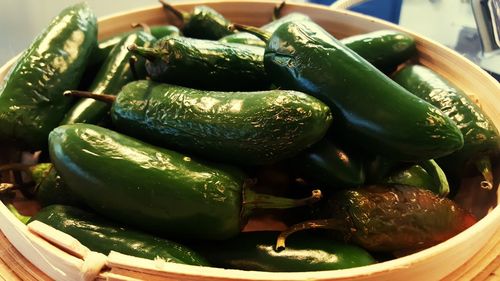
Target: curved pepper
column 103, row 236
column 305, row 252
column 481, row 137
column 205, row 64
column 384, row 49
column 374, row 111
column 31, row 101
column 155, row 189
column 388, row 218
column 247, row 128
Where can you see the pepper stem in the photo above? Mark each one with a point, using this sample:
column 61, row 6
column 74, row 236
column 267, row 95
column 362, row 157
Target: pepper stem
column 261, row 34
column 333, row 224
column 277, row 10
column 90, row 95
column 483, row 164
column 24, row 219
column 144, row 26
column 147, row 53
column 253, row 200
column 437, row 174
column 170, row 8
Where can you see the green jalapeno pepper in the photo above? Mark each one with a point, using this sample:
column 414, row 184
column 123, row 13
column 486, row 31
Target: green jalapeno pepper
column 388, row 218
column 103, row 236
column 374, row 111
column 384, row 49
column 203, row 22
column 248, row 128
column 155, row 189
column 205, row 64
column 481, row 138
column 113, row 75
column 31, row 101
column 305, row 252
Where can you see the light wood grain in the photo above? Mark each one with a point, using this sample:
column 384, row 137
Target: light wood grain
column 14, row 266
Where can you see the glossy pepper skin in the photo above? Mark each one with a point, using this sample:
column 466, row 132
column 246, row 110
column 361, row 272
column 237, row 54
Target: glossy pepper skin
column 384, row 49
column 391, row 217
column 305, row 252
column 481, row 138
column 156, row 190
column 378, row 114
column 112, row 76
column 248, row 128
column 103, row 236
column 31, row 101
column 205, row 64
column 329, row 165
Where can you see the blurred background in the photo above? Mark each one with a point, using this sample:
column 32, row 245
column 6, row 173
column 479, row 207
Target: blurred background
column 450, row 22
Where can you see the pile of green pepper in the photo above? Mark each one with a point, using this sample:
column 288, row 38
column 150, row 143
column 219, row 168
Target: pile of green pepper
column 138, row 161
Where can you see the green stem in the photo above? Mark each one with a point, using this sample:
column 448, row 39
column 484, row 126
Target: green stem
column 261, row 34
column 438, row 175
column 24, row 219
column 180, row 15
column 253, row 200
column 147, row 53
column 277, row 10
column 483, row 164
column 332, row 224
column 90, row 95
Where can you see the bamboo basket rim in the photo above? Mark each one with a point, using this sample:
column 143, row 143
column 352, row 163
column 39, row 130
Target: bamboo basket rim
column 489, row 221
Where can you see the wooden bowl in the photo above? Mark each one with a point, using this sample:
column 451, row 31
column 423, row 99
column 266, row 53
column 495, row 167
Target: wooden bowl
column 70, row 261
